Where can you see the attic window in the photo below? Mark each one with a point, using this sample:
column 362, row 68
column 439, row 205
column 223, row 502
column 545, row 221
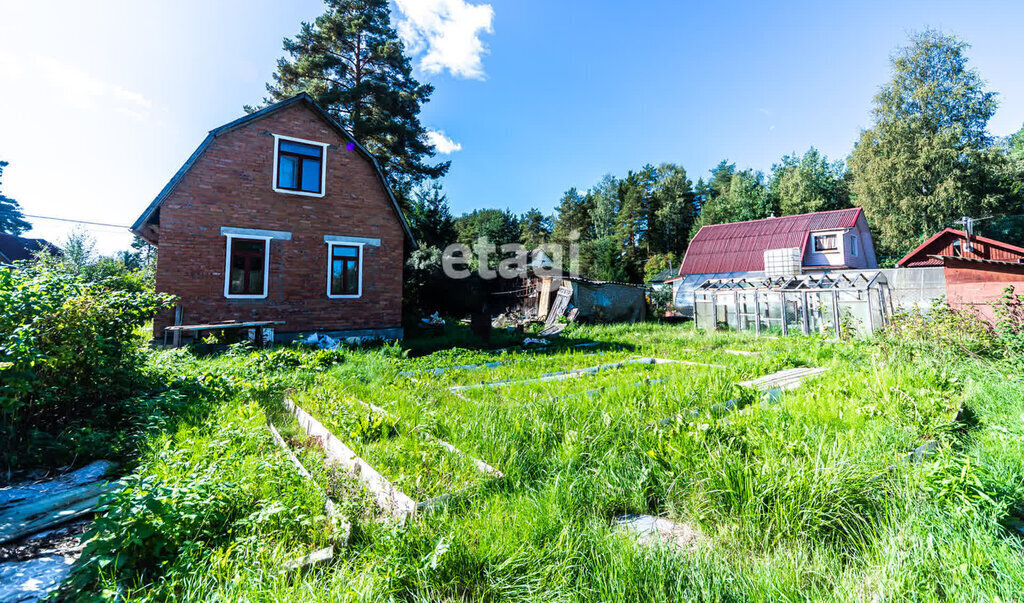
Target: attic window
column 826, row 242
column 299, row 166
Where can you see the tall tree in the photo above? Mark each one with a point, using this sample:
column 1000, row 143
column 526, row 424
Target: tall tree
column 574, row 213
column 809, row 183
column 534, row 228
column 677, row 209
column 12, row 220
column 744, row 197
column 498, row 226
column 1016, row 144
column 928, row 158
column 353, row 63
column 430, row 218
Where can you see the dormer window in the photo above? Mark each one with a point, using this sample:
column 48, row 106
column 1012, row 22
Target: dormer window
column 826, row 242
column 300, row 166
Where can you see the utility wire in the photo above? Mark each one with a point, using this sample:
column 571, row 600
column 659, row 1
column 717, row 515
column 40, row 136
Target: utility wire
column 76, row 221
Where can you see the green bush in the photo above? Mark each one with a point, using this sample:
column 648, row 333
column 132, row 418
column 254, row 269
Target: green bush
column 68, row 351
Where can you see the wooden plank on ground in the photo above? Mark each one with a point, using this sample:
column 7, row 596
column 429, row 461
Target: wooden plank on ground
column 785, row 380
column 388, row 497
column 481, row 466
column 338, row 521
column 592, row 370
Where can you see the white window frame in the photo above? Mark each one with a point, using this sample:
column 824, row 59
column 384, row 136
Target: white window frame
column 227, row 267
column 854, row 246
column 825, row 234
column 330, row 273
column 323, row 166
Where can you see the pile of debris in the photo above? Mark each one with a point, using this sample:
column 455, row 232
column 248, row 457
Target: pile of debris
column 41, row 521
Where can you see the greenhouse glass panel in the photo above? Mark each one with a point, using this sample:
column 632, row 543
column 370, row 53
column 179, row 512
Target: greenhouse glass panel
column 771, row 313
column 794, row 304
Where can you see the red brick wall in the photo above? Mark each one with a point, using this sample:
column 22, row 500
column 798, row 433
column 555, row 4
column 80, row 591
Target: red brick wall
column 230, row 185
column 976, row 285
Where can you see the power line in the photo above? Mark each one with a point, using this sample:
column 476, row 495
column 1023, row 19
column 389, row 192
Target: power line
column 76, row 221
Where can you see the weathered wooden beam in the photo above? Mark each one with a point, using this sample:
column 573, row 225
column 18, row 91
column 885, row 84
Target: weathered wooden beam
column 387, row 496
column 315, row 558
column 338, row 521
column 569, row 374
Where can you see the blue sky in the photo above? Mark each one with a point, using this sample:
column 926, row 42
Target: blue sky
column 101, row 102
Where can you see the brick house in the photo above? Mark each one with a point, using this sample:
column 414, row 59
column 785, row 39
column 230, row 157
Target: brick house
column 280, row 216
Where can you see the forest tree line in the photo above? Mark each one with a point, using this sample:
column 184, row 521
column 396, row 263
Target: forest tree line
column 927, row 160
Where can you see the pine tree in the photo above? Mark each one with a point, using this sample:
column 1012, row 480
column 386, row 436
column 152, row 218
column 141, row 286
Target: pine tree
column 352, row 62
column 12, row 220
column 430, row 218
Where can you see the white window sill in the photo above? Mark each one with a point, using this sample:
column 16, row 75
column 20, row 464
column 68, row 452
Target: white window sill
column 344, row 296
column 245, row 296
column 286, row 191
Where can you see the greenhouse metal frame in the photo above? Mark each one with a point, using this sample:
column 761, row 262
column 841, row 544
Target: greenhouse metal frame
column 824, row 303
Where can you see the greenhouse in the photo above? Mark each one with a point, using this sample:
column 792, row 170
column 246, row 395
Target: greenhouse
column 830, row 304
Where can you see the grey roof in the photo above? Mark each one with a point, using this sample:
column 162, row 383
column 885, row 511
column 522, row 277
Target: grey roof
column 14, row 248
column 664, row 275
column 299, row 98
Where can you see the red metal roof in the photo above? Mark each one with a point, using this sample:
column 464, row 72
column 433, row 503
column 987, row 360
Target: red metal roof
column 740, row 246
column 941, row 244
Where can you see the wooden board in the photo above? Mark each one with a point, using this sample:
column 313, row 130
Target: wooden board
column 388, row 497
column 338, row 522
column 785, row 380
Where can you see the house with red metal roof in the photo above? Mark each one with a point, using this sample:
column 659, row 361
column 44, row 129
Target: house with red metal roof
column 976, row 270
column 826, row 240
column 958, row 244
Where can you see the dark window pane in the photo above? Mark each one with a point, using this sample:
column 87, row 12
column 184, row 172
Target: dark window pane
column 352, row 277
column 344, row 270
column 302, row 149
column 311, row 175
column 255, row 278
column 288, row 172
column 247, row 262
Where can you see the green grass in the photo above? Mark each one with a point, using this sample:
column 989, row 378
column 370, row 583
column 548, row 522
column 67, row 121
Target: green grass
column 809, row 498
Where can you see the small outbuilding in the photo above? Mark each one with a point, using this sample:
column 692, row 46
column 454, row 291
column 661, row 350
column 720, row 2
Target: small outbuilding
column 977, row 269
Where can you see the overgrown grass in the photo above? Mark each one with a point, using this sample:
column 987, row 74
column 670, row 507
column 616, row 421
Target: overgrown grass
column 807, row 498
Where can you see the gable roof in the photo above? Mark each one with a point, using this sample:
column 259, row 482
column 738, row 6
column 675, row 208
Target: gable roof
column 14, row 248
column 301, row 98
column 926, row 254
column 740, row 246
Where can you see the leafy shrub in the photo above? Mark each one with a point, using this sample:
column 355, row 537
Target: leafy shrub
column 942, row 331
column 206, row 493
column 282, row 359
column 67, row 350
column 1009, row 328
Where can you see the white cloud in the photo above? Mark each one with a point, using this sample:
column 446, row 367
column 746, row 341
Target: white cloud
column 75, row 88
column 446, row 34
column 443, row 144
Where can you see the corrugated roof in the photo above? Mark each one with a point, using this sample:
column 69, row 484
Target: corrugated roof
column 740, row 246
column 940, row 244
